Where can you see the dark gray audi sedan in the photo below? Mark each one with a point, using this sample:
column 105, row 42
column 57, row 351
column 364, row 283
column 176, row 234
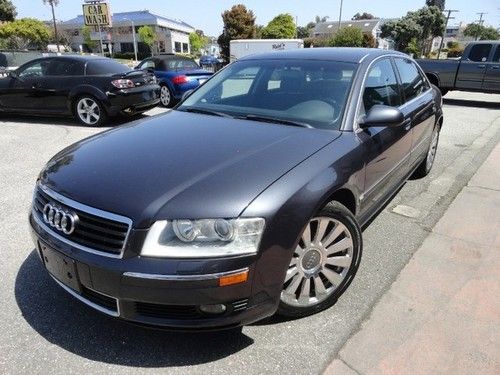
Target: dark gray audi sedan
column 247, row 199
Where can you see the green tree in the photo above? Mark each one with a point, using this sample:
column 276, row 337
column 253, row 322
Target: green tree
column 197, row 41
column 401, row 31
column 432, row 23
column 239, row 23
column 436, row 3
column 7, row 11
column 24, row 33
column 481, row 32
column 363, row 16
column 148, row 36
column 280, row 27
column 87, row 39
column 348, row 37
column 54, row 3
column 303, row 32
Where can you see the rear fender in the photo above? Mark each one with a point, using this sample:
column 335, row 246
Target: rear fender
column 80, row 90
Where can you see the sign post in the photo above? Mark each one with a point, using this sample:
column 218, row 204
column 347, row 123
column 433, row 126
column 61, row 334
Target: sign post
column 96, row 13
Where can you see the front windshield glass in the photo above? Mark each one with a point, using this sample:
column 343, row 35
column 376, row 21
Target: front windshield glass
column 310, row 92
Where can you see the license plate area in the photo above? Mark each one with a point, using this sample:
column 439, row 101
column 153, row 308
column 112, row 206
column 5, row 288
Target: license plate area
column 61, row 267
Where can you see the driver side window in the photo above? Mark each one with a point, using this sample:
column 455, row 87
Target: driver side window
column 381, row 86
column 148, row 64
column 37, row 69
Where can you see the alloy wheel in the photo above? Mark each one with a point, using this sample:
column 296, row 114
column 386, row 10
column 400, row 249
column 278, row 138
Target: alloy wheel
column 165, row 96
column 431, row 154
column 319, row 264
column 88, row 111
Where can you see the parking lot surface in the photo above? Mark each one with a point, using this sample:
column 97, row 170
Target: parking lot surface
column 43, row 329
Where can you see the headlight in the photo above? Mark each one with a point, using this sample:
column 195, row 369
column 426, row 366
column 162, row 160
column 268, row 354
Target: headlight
column 205, row 238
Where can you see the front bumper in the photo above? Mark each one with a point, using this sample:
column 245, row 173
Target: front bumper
column 132, row 101
column 160, row 292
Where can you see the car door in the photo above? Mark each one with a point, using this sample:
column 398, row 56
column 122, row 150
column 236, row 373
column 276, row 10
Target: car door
column 418, row 106
column 492, row 77
column 472, row 69
column 55, row 85
column 20, row 94
column 386, row 149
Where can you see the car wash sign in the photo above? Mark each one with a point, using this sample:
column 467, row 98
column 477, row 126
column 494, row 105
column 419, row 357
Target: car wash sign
column 97, row 14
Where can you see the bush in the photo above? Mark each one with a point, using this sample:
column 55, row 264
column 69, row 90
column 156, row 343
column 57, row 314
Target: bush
column 455, row 52
column 452, row 45
column 348, row 37
column 130, row 55
column 369, row 41
column 316, row 42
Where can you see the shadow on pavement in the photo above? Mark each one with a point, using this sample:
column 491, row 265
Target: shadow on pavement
column 66, row 121
column 71, row 325
column 471, row 103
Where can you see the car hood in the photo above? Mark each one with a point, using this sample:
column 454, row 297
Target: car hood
column 180, row 165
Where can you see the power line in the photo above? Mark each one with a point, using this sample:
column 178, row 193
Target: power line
column 450, row 11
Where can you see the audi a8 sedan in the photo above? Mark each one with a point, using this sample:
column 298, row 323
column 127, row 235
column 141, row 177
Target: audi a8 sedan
column 90, row 88
column 244, row 201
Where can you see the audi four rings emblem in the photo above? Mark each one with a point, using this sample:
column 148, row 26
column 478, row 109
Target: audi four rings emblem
column 60, row 219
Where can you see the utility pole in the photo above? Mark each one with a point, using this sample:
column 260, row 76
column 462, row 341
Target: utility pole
column 340, row 13
column 133, row 37
column 450, row 11
column 55, row 26
column 480, row 21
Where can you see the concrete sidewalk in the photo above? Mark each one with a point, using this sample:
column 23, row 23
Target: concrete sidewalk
column 442, row 314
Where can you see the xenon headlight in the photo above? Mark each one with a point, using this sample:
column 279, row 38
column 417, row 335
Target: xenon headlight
column 203, row 238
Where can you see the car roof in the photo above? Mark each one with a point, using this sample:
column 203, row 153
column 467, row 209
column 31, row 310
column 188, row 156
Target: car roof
column 172, row 56
column 341, row 54
column 83, row 58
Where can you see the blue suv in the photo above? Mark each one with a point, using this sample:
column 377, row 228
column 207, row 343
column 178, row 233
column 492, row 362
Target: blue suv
column 175, row 74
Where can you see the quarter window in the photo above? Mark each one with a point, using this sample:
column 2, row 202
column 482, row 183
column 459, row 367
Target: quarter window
column 381, row 86
column 480, row 52
column 496, row 58
column 411, row 81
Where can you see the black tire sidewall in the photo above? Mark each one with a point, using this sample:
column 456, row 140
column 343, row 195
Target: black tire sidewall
column 103, row 114
column 339, row 212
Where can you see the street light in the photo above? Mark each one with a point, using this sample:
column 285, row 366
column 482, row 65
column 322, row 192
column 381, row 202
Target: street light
column 133, row 37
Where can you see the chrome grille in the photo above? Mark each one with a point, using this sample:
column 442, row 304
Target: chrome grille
column 94, row 232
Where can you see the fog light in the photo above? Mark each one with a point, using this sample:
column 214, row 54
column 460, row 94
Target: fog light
column 213, row 309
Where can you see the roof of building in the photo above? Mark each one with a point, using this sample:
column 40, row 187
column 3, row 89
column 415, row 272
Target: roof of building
column 366, row 26
column 340, row 54
column 142, row 17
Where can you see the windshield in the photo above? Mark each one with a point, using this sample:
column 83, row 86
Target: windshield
column 304, row 91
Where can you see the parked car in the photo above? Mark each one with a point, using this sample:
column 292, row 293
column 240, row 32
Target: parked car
column 477, row 70
column 176, row 75
column 90, row 88
column 208, row 60
column 248, row 198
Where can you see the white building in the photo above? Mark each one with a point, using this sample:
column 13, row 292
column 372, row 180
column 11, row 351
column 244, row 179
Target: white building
column 172, row 35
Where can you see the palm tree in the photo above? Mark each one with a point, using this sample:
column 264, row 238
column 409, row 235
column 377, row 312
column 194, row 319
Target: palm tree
column 52, row 4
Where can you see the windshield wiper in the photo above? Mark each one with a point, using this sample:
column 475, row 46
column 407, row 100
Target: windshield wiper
column 205, row 112
column 276, row 120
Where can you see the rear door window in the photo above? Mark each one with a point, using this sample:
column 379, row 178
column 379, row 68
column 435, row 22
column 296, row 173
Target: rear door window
column 480, row 52
column 105, row 66
column 411, row 81
column 65, row 68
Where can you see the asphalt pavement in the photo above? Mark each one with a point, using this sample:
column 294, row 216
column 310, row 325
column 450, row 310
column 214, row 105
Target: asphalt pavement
column 44, row 330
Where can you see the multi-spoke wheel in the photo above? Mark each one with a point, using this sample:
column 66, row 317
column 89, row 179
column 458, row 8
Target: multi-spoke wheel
column 323, row 263
column 166, row 98
column 89, row 111
column 425, row 167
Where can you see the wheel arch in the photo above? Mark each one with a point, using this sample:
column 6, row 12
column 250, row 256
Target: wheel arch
column 345, row 197
column 433, row 78
column 82, row 90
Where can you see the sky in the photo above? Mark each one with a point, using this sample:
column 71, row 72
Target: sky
column 206, row 15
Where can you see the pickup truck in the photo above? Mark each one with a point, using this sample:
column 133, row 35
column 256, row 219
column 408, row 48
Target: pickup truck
column 477, row 70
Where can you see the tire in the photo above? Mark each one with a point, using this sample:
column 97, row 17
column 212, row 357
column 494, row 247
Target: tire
column 89, row 111
column 315, row 280
column 166, row 97
column 425, row 167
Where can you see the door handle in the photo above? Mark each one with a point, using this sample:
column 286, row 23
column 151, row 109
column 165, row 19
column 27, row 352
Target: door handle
column 407, row 124
column 495, row 67
column 482, row 66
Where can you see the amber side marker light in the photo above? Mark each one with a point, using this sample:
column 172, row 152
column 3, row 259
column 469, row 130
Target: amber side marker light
column 235, row 278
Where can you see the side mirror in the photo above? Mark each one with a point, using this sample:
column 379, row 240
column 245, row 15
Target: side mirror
column 186, row 95
column 382, row 115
